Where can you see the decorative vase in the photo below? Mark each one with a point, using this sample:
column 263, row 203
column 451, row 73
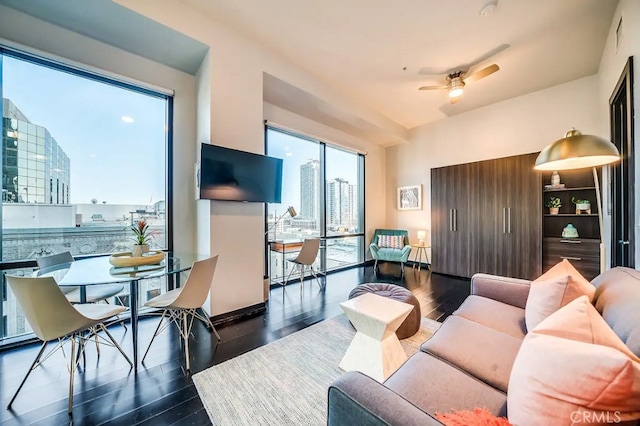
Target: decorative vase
column 554, row 210
column 139, row 249
column 555, row 179
column 569, row 231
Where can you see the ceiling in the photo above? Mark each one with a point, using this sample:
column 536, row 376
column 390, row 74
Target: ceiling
column 373, row 50
column 110, row 23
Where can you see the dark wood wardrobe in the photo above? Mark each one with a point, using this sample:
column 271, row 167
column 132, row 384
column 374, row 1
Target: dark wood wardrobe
column 486, row 217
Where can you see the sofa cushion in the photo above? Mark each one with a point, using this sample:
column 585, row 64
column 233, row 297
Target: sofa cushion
column 483, row 352
column 435, row 386
column 554, row 289
column 390, row 254
column 497, row 315
column 580, row 321
column 618, row 300
column 572, row 367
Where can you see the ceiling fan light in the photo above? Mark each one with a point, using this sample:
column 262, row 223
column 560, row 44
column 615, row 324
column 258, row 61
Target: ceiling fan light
column 455, row 92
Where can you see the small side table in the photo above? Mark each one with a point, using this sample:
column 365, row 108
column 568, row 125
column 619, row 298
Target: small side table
column 422, row 250
column 375, row 349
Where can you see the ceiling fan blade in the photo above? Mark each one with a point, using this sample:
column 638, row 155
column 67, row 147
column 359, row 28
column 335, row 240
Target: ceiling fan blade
column 484, row 72
column 455, row 100
column 433, row 88
column 464, row 67
column 433, row 71
column 485, row 56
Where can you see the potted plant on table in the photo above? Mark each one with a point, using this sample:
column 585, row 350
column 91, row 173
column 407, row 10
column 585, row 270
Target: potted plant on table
column 581, row 205
column 554, row 205
column 141, row 238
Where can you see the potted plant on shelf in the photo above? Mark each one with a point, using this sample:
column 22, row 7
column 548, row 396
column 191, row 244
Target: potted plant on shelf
column 554, row 205
column 581, row 205
column 141, row 238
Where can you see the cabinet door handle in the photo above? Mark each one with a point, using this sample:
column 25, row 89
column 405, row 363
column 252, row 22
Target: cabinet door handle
column 504, row 220
column 570, row 258
column 509, row 217
column 455, row 220
column 451, row 220
column 571, row 241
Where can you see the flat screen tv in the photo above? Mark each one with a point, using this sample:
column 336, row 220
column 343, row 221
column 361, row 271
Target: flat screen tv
column 232, row 175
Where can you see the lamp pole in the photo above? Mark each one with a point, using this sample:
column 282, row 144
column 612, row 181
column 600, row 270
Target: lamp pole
column 596, row 181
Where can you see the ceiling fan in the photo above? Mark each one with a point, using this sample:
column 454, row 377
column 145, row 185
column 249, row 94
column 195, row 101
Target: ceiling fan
column 456, row 81
column 457, row 77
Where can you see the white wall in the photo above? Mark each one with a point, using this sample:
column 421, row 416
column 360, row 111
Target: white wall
column 611, row 66
column 17, row 27
column 237, row 65
column 517, row 126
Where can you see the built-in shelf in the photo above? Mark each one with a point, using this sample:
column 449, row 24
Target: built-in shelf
column 583, row 252
column 571, row 215
column 580, row 188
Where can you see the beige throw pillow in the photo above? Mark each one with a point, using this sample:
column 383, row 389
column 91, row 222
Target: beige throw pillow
column 553, row 290
column 573, row 369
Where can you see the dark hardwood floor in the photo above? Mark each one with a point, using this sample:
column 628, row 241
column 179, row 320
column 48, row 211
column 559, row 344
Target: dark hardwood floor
column 160, row 393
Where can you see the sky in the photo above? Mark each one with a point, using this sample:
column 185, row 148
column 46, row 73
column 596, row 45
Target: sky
column 111, row 160
column 296, row 151
column 124, row 162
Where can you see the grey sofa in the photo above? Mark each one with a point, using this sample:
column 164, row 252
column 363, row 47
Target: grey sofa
column 467, row 362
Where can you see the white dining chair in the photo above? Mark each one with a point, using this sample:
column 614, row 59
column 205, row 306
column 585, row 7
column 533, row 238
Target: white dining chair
column 53, row 317
column 182, row 305
column 305, row 258
column 94, row 293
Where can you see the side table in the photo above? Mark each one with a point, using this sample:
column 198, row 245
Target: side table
column 421, row 250
column 375, row 349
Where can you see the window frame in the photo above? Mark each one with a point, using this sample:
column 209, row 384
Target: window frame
column 323, row 199
column 93, row 75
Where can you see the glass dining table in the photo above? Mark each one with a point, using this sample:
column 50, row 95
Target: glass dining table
column 97, row 270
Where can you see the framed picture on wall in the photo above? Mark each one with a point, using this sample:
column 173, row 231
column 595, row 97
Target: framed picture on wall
column 410, row 197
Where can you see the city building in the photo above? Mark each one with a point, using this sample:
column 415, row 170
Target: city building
column 341, row 204
column 310, row 190
column 35, row 169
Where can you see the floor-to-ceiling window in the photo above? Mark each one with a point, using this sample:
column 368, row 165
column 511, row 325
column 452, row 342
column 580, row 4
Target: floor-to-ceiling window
column 83, row 158
column 324, row 184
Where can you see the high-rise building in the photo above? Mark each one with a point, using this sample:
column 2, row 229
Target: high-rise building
column 310, row 190
column 34, row 167
column 341, row 205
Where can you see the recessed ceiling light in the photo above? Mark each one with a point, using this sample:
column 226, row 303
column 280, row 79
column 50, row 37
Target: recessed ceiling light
column 127, row 119
column 288, row 154
column 489, row 8
column 92, row 155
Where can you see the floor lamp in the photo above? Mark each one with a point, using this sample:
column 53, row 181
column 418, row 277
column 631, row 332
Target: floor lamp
column 578, row 151
column 290, row 211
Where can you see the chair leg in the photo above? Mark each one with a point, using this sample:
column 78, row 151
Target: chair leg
column 164, row 312
column 185, row 336
column 33, row 366
column 72, row 370
column 113, row 341
column 313, row 272
column 289, row 276
column 211, row 327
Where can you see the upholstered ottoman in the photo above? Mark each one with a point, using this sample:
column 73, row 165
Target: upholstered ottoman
column 411, row 324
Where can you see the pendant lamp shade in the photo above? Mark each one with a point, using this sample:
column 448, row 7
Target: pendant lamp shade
column 577, row 151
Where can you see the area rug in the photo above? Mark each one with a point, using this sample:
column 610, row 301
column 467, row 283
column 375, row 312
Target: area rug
column 285, row 382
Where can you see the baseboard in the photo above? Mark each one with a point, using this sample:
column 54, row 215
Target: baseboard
column 238, row 314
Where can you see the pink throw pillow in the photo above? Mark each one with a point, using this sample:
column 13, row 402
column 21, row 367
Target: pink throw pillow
column 553, row 290
column 571, row 369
